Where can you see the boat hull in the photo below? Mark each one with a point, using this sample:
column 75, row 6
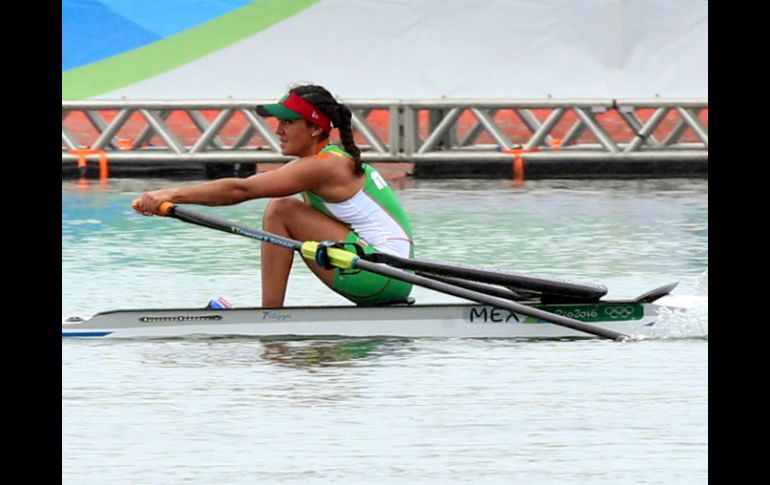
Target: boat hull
column 437, row 321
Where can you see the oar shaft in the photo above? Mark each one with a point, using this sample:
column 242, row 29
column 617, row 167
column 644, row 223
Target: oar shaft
column 204, row 220
column 230, row 227
column 491, row 290
column 489, row 300
column 508, row 279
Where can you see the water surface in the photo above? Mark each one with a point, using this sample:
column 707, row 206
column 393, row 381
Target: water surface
column 393, row 410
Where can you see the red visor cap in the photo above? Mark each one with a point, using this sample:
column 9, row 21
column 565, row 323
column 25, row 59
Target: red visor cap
column 293, row 107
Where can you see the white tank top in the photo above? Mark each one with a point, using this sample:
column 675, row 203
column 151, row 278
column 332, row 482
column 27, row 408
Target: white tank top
column 373, row 223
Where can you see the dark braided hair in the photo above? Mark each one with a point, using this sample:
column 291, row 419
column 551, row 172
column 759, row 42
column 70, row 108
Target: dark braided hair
column 339, row 114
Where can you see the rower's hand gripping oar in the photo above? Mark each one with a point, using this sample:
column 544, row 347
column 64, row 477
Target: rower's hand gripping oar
column 343, row 259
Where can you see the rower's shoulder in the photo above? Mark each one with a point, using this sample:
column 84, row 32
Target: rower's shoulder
column 331, row 161
column 322, row 170
column 320, row 161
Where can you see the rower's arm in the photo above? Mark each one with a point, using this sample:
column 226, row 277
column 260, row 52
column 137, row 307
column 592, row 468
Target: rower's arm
column 292, row 178
column 288, row 180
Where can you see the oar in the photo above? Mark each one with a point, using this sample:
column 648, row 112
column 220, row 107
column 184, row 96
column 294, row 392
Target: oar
column 583, row 291
column 343, row 259
column 491, row 290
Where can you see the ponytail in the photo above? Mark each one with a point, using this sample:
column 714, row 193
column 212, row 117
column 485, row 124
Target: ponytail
column 345, row 116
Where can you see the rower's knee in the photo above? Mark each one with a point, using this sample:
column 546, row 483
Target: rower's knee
column 280, row 210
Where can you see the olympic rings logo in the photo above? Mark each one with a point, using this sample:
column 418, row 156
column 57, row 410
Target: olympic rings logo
column 619, row 312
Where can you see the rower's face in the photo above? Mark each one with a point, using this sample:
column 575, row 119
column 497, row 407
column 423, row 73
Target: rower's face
column 296, row 137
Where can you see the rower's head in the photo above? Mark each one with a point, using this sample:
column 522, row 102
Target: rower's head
column 306, row 116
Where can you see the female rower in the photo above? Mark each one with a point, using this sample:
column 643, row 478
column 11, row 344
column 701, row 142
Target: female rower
column 344, row 199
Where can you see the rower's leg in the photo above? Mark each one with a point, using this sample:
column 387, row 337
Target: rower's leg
column 292, row 218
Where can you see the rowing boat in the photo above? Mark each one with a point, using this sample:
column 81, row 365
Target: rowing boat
column 444, row 320
column 461, row 320
column 504, row 304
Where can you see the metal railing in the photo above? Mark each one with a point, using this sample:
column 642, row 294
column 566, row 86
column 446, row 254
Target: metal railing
column 229, row 131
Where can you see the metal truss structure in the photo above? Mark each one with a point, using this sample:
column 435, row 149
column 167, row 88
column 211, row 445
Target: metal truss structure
column 229, row 131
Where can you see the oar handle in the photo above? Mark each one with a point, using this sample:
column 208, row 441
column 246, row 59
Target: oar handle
column 166, row 208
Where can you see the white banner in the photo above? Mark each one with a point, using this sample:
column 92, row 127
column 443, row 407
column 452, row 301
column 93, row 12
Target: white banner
column 410, row 49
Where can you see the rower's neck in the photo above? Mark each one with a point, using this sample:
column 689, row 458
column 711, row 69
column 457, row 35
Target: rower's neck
column 321, row 145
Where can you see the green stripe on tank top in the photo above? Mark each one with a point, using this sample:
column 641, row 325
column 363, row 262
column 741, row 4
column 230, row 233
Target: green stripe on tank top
column 336, row 150
column 380, row 191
